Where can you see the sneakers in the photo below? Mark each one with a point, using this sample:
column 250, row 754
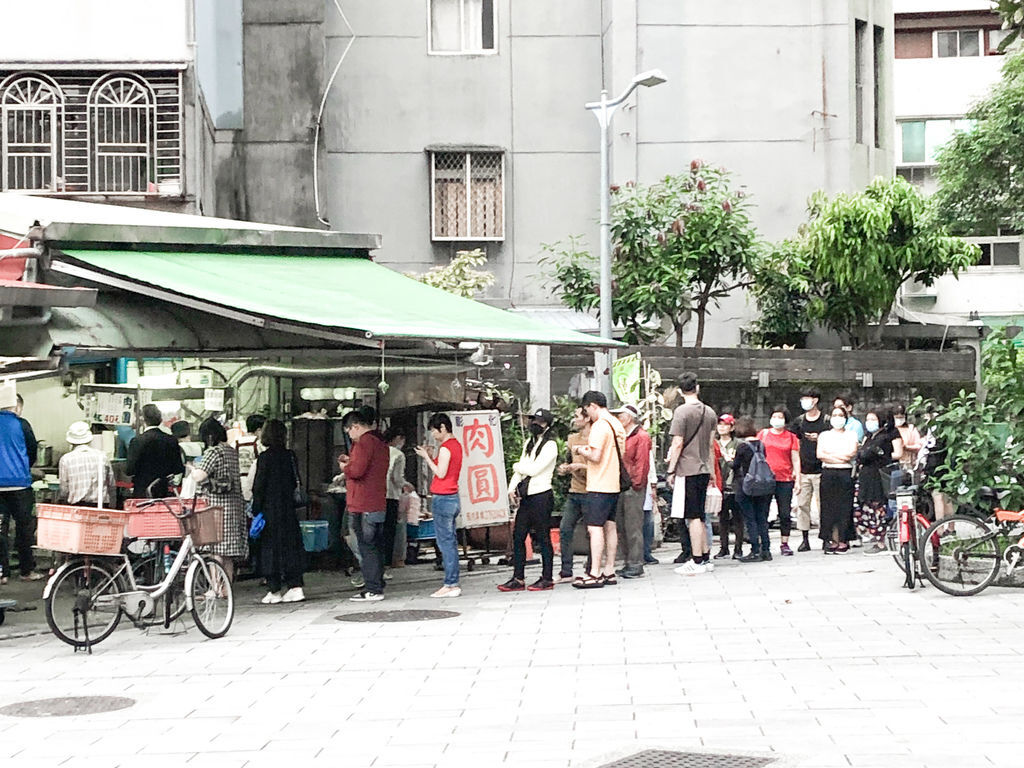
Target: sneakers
column 753, row 557
column 358, row 582
column 512, row 585
column 877, row 549
column 563, row 578
column 737, row 555
column 367, row 597
column 447, row 591
column 632, row 573
column 785, row 550
column 541, row 585
column 651, row 561
column 682, row 557
column 271, row 598
column 766, row 555
column 33, row 576
column 722, row 554
column 805, row 546
column 690, row 568
column 293, row 595
column 709, row 566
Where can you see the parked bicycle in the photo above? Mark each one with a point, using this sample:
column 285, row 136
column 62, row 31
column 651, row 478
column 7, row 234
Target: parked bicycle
column 963, row 553
column 87, row 596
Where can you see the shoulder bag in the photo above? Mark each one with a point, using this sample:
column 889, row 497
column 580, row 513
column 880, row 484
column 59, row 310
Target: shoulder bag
column 298, row 495
column 625, row 481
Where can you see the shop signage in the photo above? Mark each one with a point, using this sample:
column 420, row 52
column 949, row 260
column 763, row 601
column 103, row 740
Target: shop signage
column 483, row 487
column 626, row 378
column 113, row 407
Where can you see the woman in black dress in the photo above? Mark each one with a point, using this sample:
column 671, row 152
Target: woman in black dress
column 882, row 446
column 281, row 555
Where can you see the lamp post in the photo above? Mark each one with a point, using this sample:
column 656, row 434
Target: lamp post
column 603, row 110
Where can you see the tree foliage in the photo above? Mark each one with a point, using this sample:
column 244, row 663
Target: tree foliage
column 1012, row 14
column 781, row 288
column 460, row 276
column 678, row 247
column 980, row 184
column 860, row 248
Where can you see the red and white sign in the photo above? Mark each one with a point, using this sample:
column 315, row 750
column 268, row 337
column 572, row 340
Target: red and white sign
column 483, row 488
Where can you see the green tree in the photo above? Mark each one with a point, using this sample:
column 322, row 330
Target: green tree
column 678, row 247
column 980, row 184
column 460, row 276
column 860, row 248
column 1012, row 14
column 781, row 288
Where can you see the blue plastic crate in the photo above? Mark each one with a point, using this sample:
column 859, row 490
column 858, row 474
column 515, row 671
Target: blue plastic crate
column 425, row 530
column 314, row 535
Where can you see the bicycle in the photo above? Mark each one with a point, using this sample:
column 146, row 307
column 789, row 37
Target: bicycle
column 87, row 596
column 963, row 553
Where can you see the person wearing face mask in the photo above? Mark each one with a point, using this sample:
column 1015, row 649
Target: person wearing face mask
column 845, row 401
column 782, row 449
column 837, row 450
column 531, row 482
column 731, row 517
column 881, row 447
column 912, row 442
column 807, row 426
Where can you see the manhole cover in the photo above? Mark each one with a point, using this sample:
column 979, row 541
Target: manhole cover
column 659, row 758
column 397, row 616
column 69, row 706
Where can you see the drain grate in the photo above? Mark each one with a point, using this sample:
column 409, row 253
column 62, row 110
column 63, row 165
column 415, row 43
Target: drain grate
column 660, row 758
column 68, row 706
column 397, row 616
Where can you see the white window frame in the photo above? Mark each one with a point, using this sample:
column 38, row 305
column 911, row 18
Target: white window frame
column 55, row 110
column 462, row 32
column 935, row 43
column 960, row 123
column 99, row 149
column 991, row 241
column 469, row 196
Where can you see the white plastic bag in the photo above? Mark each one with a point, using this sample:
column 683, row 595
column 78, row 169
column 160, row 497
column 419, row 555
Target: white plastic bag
column 188, row 487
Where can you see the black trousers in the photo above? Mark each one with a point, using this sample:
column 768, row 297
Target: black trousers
column 533, row 517
column 370, row 537
column 17, row 505
column 730, row 519
column 390, row 531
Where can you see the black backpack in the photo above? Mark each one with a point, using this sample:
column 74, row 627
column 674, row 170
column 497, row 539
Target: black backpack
column 759, row 480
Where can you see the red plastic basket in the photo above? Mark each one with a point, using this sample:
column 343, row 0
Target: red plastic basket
column 157, row 521
column 80, row 530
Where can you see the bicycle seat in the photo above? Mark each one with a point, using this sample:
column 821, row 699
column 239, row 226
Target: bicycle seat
column 1009, row 516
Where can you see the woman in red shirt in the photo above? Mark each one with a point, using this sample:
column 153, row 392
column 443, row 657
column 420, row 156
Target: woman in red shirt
column 782, row 449
column 444, row 502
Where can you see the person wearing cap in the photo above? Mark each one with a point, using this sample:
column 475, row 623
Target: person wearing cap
column 575, row 500
column 15, row 489
column 629, row 515
column 531, row 483
column 81, row 469
column 731, row 517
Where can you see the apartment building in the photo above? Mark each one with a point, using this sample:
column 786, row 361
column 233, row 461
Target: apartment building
column 455, row 124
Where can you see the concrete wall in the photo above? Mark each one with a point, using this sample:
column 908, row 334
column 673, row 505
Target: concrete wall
column 748, row 81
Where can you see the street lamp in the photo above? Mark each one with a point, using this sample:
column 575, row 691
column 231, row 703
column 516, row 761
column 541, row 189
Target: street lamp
column 603, row 111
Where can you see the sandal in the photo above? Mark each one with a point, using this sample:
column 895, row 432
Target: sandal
column 588, row 582
column 610, row 581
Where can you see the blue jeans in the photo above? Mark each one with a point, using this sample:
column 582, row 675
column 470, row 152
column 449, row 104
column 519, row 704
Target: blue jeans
column 755, row 514
column 648, row 534
column 572, row 513
column 446, row 508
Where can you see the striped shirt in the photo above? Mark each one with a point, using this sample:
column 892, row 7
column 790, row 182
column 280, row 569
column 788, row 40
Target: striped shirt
column 79, row 473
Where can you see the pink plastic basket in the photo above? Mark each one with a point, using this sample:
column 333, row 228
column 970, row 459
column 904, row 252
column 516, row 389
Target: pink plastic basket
column 80, row 530
column 157, row 521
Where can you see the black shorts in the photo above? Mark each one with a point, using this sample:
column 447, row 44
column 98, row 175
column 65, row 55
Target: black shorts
column 696, row 494
column 599, row 508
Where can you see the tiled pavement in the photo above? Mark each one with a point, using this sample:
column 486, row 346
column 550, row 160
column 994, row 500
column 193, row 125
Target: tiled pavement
column 817, row 661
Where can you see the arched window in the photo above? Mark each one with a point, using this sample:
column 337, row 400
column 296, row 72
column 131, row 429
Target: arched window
column 121, row 116
column 32, row 109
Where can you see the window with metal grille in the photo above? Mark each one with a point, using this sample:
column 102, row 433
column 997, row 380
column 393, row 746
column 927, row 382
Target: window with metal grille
column 100, row 131
column 468, row 196
column 32, row 111
column 461, row 26
column 121, row 117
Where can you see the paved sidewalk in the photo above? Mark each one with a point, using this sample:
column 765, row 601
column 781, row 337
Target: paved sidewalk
column 816, row 661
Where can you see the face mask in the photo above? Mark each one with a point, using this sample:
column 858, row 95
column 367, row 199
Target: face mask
column 777, row 423
column 536, row 429
column 838, row 422
column 806, row 403
column 900, row 421
column 871, row 425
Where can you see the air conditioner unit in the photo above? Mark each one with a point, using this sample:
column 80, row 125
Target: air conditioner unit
column 914, row 289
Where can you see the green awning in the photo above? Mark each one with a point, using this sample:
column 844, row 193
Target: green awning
column 344, row 293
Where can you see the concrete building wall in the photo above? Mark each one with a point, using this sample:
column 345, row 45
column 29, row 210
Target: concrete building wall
column 762, row 87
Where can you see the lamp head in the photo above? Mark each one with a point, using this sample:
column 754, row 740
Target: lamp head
column 650, row 78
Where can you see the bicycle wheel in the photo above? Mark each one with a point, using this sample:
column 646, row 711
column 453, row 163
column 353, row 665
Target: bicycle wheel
column 149, row 570
column 82, row 603
column 892, row 543
column 213, row 602
column 960, row 555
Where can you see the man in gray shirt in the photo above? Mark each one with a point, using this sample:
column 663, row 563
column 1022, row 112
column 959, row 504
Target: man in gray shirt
column 689, row 470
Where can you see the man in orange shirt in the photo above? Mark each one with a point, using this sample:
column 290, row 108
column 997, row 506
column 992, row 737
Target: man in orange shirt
column 603, row 456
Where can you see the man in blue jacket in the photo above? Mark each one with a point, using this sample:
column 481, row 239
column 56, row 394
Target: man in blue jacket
column 15, row 489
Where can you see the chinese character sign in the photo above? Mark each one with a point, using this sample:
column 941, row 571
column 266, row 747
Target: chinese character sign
column 483, row 488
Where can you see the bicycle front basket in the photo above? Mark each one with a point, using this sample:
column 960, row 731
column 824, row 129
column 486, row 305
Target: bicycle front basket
column 204, row 526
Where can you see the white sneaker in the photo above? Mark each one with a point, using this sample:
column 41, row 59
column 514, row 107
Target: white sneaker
column 367, row 597
column 358, row 582
column 690, row 568
column 388, row 575
column 293, row 595
column 271, row 598
column 709, row 566
column 448, row 592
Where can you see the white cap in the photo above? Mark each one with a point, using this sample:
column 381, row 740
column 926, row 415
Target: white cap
column 8, row 395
